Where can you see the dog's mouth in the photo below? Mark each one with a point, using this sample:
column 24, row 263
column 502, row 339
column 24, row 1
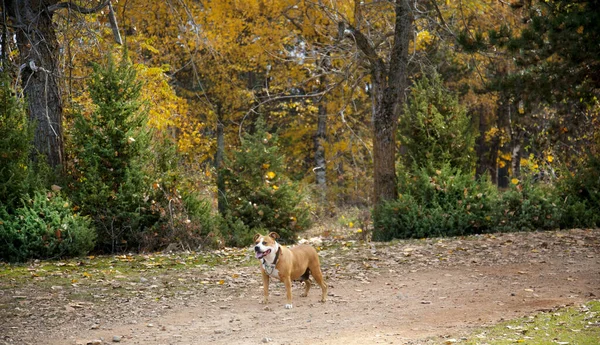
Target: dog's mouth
column 260, row 255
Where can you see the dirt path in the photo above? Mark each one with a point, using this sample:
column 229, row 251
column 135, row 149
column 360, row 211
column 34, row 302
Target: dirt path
column 410, row 292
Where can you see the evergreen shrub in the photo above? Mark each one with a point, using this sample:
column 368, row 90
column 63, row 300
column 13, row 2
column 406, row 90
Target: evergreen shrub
column 579, row 194
column 446, row 202
column 186, row 220
column 528, row 206
column 15, row 147
column 45, row 227
column 259, row 194
column 436, row 129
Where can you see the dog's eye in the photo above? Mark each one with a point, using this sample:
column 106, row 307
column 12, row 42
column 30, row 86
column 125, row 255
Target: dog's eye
column 264, row 243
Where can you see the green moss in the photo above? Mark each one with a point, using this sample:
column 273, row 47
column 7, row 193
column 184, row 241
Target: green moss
column 93, row 270
column 575, row 325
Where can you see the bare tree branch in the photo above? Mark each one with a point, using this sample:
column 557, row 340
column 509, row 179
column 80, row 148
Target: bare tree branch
column 113, row 24
column 71, row 6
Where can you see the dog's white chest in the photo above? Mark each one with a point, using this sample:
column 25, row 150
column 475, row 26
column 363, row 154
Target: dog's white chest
column 270, row 269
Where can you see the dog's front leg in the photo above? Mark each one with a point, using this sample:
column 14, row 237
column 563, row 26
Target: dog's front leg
column 265, row 278
column 288, row 291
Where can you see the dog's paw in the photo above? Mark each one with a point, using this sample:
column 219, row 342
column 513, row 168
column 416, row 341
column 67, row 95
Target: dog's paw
column 288, row 306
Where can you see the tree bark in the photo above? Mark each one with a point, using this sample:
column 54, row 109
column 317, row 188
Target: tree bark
column 503, row 122
column 320, row 168
column 389, row 86
column 486, row 161
column 38, row 49
column 221, row 196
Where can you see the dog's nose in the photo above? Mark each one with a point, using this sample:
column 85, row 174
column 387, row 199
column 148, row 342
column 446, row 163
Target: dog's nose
column 256, row 248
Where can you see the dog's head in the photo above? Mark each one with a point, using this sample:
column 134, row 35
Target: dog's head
column 265, row 245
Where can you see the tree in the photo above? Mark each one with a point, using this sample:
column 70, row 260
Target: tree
column 435, row 129
column 111, row 149
column 38, row 47
column 259, row 193
column 14, row 146
column 389, row 84
column 373, row 39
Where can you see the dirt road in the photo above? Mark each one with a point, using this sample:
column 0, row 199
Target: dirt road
column 408, row 292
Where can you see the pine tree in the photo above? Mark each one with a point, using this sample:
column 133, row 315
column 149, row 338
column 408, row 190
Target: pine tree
column 436, row 128
column 15, row 145
column 259, row 193
column 111, row 149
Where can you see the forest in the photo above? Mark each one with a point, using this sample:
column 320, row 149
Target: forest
column 132, row 126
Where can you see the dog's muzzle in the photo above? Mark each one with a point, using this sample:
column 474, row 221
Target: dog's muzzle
column 260, row 254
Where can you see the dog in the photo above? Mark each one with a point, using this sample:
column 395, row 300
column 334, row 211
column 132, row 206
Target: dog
column 287, row 264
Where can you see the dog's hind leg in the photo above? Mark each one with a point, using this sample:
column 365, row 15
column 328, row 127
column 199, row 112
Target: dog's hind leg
column 316, row 273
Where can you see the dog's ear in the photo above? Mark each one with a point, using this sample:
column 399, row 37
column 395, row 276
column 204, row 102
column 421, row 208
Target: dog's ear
column 256, row 236
column 274, row 235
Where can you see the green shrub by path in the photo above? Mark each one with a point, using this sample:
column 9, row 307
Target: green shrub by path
column 579, row 193
column 185, row 221
column 45, row 227
column 575, row 325
column 450, row 203
column 528, row 206
column 445, row 203
column 259, row 197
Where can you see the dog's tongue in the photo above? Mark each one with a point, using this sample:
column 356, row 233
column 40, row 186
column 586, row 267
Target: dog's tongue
column 260, row 255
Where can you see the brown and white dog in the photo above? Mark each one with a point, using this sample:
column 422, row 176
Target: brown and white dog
column 287, row 264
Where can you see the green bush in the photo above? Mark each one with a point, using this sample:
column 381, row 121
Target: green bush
column 445, row 203
column 236, row 233
column 44, row 228
column 185, row 220
column 259, row 194
column 528, row 206
column 579, row 194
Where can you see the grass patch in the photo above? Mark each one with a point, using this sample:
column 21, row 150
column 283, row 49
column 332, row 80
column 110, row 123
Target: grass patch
column 92, row 269
column 568, row 326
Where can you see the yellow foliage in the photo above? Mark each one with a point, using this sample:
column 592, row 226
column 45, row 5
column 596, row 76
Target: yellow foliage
column 424, row 38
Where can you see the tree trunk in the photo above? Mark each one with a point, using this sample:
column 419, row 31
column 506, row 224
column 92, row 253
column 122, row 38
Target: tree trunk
column 320, row 168
column 38, row 55
column 503, row 121
column 221, row 196
column 486, row 156
column 390, row 94
column 38, row 49
column 516, row 160
column 389, row 84
column 320, row 137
